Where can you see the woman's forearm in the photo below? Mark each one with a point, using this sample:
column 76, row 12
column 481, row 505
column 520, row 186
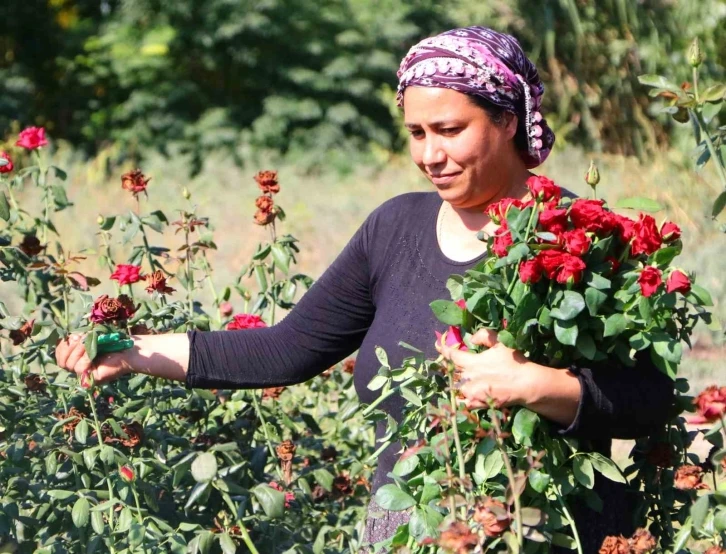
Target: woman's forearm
column 165, row 356
column 553, row 393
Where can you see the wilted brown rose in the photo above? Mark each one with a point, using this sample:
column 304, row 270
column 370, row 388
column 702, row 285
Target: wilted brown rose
column 285, row 451
column 107, row 309
column 493, row 516
column 458, row 538
column 273, row 393
column 34, row 382
column 134, row 181
column 267, row 181
column 318, row 493
column 31, row 246
column 18, row 336
column 135, row 433
column 264, row 203
column 157, row 282
column 70, row 426
column 328, row 454
column 349, row 365
column 642, row 542
column 715, row 550
column 265, row 218
column 342, row 485
column 688, row 478
column 615, row 545
column 660, row 455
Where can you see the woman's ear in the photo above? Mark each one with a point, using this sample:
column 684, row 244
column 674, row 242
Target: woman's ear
column 511, row 123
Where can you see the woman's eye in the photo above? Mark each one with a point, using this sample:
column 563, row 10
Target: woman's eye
column 450, row 130
column 416, row 134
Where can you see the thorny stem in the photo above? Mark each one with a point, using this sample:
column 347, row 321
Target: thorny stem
column 148, row 250
column 695, row 84
column 711, row 148
column 449, row 473
column 140, row 518
column 261, row 417
column 510, row 476
column 373, row 405
column 455, row 426
column 242, row 528
column 190, row 278
column 99, row 438
column 570, row 521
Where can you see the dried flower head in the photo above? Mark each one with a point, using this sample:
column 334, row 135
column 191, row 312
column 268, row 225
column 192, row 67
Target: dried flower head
column 135, row 182
column 19, row 336
column 615, row 545
column 30, row 246
column 157, row 283
column 493, row 516
column 34, row 382
column 106, row 309
column 267, row 181
column 273, row 393
column 349, row 366
column 265, row 217
column 285, row 453
column 642, row 542
column 458, row 538
column 134, row 434
column 688, row 478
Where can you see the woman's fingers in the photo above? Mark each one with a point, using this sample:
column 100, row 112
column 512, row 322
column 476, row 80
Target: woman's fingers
column 485, row 337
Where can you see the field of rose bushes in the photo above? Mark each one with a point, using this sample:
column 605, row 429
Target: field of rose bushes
column 145, row 465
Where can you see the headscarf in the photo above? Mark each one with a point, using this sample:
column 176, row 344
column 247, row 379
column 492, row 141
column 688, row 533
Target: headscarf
column 483, row 62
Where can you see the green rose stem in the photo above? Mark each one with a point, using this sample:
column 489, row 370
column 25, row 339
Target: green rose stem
column 242, row 529
column 207, row 269
column 711, row 148
column 570, row 520
column 99, row 438
column 188, row 264
column 373, row 405
column 449, row 473
column 43, row 183
column 105, row 235
column 261, row 417
column 510, row 474
column 139, row 517
column 454, row 424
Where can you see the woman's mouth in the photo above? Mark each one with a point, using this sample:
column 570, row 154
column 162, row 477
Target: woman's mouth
column 444, row 179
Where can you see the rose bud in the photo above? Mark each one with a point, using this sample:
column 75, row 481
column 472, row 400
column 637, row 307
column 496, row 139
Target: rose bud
column 226, row 309
column 186, row 194
column 678, row 282
column 127, row 474
column 670, row 231
column 695, row 54
column 711, row 403
column 715, row 549
column 32, row 138
column 543, row 188
column 592, row 177
column 649, row 280
column 688, row 478
column 6, row 162
column 451, row 338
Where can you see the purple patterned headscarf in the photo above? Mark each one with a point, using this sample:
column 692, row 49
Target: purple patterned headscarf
column 482, row 62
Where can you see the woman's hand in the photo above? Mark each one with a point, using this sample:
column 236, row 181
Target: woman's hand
column 70, row 354
column 506, row 377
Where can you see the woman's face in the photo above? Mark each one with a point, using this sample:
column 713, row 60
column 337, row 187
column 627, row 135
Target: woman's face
column 468, row 158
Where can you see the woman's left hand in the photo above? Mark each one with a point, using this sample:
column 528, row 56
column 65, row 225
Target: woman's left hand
column 499, row 374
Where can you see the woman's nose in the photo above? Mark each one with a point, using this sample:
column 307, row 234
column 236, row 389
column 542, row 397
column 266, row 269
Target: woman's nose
column 433, row 154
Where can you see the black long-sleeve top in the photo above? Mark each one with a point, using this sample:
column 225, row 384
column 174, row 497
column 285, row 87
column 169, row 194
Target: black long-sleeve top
column 377, row 293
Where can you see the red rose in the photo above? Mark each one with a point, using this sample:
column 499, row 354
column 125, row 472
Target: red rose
column 135, row 182
column 127, row 474
column 550, row 261
column 8, row 167
column 32, row 138
column 530, row 271
column 451, row 338
column 588, row 214
column 553, row 220
column 127, row 274
column 576, row 242
column 498, row 211
column 107, row 309
column 289, row 496
column 157, row 282
column 649, row 280
column 267, row 181
column 246, row 321
column 543, row 188
column 625, row 227
column 501, row 243
column 461, row 303
column 678, row 282
column 669, row 230
column 571, row 271
column 711, row 403
column 647, row 237
column 614, row 263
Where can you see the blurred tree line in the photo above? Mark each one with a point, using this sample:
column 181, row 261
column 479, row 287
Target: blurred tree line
column 316, row 76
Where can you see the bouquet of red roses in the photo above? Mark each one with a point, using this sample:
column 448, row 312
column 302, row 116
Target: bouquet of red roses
column 571, row 280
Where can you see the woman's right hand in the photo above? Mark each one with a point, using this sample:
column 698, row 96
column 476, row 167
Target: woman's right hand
column 70, row 354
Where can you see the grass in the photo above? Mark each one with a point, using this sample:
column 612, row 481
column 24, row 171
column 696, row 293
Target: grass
column 325, row 209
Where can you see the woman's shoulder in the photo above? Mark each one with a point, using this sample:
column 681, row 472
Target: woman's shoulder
column 413, row 203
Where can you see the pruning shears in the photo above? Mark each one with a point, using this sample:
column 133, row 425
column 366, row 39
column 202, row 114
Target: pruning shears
column 113, row 342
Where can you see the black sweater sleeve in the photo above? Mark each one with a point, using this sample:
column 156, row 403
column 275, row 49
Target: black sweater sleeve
column 621, row 402
column 328, row 323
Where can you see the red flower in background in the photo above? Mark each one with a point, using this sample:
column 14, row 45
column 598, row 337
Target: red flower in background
column 157, row 282
column 678, row 282
column 135, row 182
column 543, row 188
column 289, row 496
column 8, row 167
column 625, row 227
column 670, row 231
column 267, row 181
column 550, row 261
column 32, row 138
column 246, row 321
column 647, row 237
column 501, row 243
column 127, row 274
column 650, row 279
column 711, row 403
column 571, row 271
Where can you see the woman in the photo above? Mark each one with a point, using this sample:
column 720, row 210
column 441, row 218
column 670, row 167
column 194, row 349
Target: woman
column 471, row 101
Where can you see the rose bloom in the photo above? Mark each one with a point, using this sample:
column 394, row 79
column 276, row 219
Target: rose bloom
column 127, row 274
column 576, row 242
column 19, row 336
column 647, row 237
column 711, row 403
column 688, row 478
column 571, row 271
column 267, row 181
column 498, row 211
column 715, row 550
column 458, row 538
column 649, row 280
column 678, row 282
column 543, row 188
column 493, row 516
column 501, row 243
column 246, row 321
column 530, row 271
column 642, row 542
column 263, row 217
column 107, row 309
column 553, row 220
column 587, row 214
column 550, row 261
column 625, row 226
column 157, row 282
column 134, row 182
column 451, row 338
column 670, row 231
column 31, row 246
column 8, row 167
column 264, row 203
column 32, row 138
column 615, row 545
